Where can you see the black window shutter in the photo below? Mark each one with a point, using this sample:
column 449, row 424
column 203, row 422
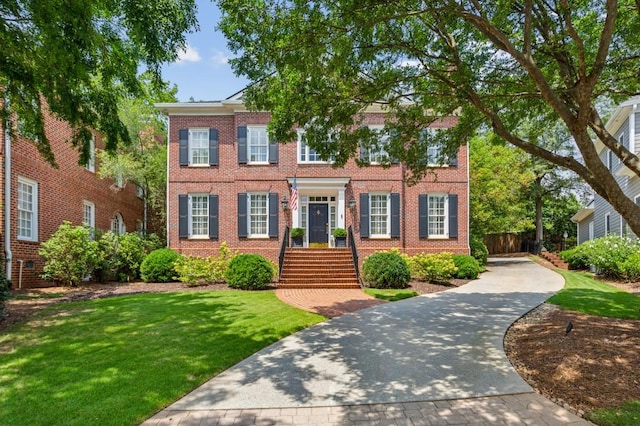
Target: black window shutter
column 213, row 216
column 453, row 216
column 364, row 215
column 423, row 216
column 183, row 138
column 392, row 158
column 395, row 215
column 183, row 216
column 242, row 215
column 273, row 152
column 273, row 215
column 213, row 147
column 242, row 145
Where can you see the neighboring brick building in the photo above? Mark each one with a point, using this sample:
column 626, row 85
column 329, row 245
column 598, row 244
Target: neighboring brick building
column 227, row 182
column 42, row 197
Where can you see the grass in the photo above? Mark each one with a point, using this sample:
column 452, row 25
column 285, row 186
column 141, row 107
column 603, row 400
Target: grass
column 391, row 295
column 626, row 415
column 582, row 293
column 117, row 361
column 33, row 296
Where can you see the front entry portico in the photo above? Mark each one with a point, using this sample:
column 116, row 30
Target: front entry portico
column 320, row 208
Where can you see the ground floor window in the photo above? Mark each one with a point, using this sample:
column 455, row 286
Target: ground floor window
column 437, row 215
column 258, row 215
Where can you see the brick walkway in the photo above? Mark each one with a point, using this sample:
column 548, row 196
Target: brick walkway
column 328, row 302
column 521, row 409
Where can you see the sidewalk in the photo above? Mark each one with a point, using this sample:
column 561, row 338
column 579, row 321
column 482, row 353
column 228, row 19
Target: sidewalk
column 434, row 359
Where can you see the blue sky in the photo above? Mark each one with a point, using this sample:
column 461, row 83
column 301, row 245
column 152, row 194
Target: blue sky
column 203, row 71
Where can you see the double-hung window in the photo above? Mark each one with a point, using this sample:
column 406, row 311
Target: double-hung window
column 257, row 144
column 89, row 214
column 198, row 215
column 198, row 147
column 91, row 162
column 27, row 209
column 306, row 154
column 379, row 215
column 378, row 154
column 258, row 216
column 438, row 214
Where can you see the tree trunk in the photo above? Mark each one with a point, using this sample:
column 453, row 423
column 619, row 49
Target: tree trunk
column 539, row 227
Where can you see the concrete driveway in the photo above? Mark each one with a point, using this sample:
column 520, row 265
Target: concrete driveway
column 444, row 348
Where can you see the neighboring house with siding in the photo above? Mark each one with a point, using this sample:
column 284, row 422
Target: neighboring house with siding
column 624, row 125
column 38, row 198
column 228, row 182
column 584, row 223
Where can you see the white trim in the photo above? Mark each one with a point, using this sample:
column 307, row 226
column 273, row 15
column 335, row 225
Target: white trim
column 92, row 220
column 299, row 144
column 387, row 196
column 256, row 128
column 266, row 214
column 191, row 235
column 445, row 198
column 34, row 209
column 190, row 147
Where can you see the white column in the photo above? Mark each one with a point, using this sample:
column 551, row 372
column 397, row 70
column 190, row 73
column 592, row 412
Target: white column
column 340, row 209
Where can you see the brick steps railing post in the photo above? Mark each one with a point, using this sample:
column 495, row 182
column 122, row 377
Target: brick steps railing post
column 318, row 268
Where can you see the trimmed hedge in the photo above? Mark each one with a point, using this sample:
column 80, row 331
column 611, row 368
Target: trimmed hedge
column 386, row 270
column 468, row 267
column 158, row 266
column 479, row 251
column 249, row 272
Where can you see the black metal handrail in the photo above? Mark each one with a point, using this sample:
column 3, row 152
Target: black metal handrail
column 283, row 249
column 354, row 253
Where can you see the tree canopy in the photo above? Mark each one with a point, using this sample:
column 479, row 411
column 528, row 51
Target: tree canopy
column 77, row 59
column 491, row 64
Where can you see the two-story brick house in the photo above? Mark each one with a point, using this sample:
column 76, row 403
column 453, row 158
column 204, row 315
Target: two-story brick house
column 227, row 182
column 37, row 198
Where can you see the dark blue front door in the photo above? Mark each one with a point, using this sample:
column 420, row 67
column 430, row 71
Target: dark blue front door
column 318, row 223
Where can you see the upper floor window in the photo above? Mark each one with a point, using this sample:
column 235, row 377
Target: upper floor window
column 91, row 162
column 377, row 154
column 607, row 224
column 27, row 209
column 306, row 154
column 198, row 147
column 258, row 144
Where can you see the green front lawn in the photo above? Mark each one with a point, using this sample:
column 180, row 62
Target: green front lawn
column 581, row 293
column 391, row 295
column 117, row 361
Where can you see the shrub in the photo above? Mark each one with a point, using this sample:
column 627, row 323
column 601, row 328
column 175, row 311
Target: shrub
column 339, row 232
column 297, row 232
column 158, row 266
column 199, row 270
column 479, row 251
column 433, row 267
column 576, row 258
column 630, row 268
column 4, row 292
column 612, row 256
column 249, row 272
column 70, row 255
column 468, row 267
column 386, row 270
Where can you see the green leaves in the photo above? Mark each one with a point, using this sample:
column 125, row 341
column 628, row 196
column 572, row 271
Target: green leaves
column 80, row 59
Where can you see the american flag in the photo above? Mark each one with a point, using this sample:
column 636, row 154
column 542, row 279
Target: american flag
column 293, row 203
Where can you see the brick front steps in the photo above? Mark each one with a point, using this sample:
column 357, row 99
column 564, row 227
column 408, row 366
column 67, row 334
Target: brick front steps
column 554, row 259
column 318, row 268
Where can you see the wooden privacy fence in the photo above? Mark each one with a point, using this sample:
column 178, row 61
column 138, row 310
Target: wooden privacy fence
column 504, row 243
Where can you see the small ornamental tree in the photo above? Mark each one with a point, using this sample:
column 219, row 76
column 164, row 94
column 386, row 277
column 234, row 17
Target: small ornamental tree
column 70, row 255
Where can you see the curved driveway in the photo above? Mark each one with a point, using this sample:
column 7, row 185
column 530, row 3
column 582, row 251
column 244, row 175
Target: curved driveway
column 439, row 347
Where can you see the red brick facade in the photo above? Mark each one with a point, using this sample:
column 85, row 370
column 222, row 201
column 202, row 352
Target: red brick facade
column 228, row 178
column 61, row 193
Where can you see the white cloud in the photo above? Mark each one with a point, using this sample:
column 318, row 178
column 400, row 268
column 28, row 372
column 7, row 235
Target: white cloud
column 219, row 58
column 189, row 54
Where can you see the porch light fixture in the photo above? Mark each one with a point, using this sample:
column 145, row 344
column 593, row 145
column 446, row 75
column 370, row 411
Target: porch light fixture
column 284, row 203
column 352, row 203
